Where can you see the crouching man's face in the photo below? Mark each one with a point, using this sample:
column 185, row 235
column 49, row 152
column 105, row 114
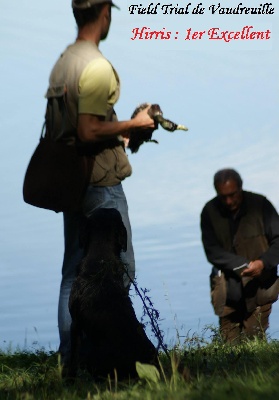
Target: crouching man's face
column 230, row 195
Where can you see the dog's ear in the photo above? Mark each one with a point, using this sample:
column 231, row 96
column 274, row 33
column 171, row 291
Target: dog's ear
column 84, row 231
column 122, row 237
column 120, row 232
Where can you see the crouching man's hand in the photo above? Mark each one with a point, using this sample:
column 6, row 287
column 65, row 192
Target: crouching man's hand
column 254, row 269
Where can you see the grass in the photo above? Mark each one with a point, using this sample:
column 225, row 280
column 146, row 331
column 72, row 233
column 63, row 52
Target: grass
column 197, row 369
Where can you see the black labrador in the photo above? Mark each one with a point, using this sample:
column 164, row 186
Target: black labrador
column 106, row 337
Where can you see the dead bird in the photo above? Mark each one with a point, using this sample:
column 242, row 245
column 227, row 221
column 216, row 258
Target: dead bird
column 139, row 136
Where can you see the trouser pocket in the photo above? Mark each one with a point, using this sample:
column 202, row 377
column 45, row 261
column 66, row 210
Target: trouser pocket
column 218, row 293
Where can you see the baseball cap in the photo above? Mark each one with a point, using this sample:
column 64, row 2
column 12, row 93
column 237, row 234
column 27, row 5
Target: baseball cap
column 83, row 4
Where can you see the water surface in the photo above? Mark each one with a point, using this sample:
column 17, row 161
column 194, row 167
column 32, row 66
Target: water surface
column 170, row 264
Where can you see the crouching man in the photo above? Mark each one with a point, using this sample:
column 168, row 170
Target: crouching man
column 240, row 228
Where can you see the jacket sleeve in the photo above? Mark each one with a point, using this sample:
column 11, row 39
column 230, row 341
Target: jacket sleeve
column 216, row 255
column 271, row 223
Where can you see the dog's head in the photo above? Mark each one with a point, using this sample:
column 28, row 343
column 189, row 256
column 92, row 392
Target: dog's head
column 105, row 229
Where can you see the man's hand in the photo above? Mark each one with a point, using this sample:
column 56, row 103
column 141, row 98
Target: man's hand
column 143, row 120
column 254, row 269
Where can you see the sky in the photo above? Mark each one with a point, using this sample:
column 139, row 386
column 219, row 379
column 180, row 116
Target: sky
column 225, row 92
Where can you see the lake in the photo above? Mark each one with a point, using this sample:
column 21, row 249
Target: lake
column 170, row 263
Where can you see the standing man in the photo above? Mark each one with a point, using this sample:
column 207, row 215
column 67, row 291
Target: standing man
column 238, row 228
column 89, row 87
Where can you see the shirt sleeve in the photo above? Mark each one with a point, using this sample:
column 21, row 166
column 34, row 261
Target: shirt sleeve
column 271, row 222
column 96, row 87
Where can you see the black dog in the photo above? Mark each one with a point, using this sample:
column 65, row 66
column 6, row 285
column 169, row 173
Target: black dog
column 106, row 335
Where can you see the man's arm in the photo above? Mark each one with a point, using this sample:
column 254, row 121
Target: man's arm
column 271, row 222
column 270, row 259
column 93, row 128
column 215, row 254
column 98, row 91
